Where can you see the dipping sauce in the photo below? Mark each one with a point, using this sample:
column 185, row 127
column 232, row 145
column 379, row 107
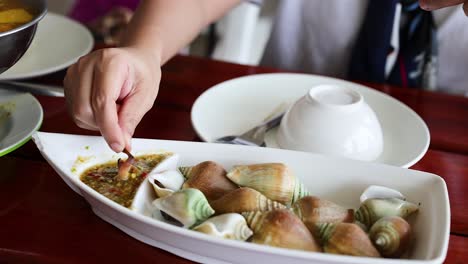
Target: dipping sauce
column 103, row 178
column 13, row 14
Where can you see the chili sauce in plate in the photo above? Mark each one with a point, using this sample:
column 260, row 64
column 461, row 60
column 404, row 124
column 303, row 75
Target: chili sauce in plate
column 103, row 178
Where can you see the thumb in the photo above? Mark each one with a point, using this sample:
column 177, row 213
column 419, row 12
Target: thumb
column 132, row 110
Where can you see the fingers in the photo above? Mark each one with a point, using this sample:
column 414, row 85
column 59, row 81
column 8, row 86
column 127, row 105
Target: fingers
column 77, row 84
column 111, row 90
column 92, row 88
column 134, row 107
column 430, row 5
column 110, row 75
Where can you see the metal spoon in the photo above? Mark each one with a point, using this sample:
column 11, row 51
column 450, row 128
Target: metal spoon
column 254, row 136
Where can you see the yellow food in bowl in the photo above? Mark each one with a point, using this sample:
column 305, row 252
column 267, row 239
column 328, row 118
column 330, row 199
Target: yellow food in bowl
column 15, row 16
column 12, row 15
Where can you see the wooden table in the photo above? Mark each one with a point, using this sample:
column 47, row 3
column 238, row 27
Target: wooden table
column 42, row 220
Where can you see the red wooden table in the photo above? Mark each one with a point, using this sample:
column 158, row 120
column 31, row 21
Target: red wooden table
column 42, row 220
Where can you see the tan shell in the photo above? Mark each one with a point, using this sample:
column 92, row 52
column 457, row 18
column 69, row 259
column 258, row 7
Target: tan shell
column 313, row 210
column 280, row 228
column 244, row 200
column 274, row 180
column 372, row 210
column 209, row 177
column 391, row 235
column 345, row 239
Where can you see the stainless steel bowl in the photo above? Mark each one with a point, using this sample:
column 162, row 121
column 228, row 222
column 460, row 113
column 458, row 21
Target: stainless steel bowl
column 15, row 42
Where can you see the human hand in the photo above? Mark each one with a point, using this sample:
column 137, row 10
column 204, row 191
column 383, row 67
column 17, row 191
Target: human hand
column 430, row 5
column 110, row 90
column 112, row 25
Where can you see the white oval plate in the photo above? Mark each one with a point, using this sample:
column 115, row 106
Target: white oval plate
column 232, row 107
column 59, row 42
column 20, row 116
column 342, row 184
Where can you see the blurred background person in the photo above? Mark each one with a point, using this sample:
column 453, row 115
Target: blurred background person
column 107, row 19
column 111, row 90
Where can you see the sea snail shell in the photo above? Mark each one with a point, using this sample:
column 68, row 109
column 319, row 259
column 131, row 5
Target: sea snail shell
column 280, row 228
column 244, row 199
column 209, row 177
column 274, row 180
column 372, row 210
column 391, row 235
column 346, row 239
column 188, row 206
column 230, row 226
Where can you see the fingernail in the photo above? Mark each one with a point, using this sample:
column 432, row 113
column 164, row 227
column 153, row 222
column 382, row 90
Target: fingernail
column 116, row 147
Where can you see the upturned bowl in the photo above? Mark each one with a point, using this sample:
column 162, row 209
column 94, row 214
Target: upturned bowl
column 332, row 120
column 15, row 42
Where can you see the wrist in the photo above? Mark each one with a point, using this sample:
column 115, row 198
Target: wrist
column 147, row 46
column 152, row 54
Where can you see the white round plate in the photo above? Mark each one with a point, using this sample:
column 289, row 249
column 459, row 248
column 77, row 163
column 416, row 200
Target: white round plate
column 59, row 42
column 20, row 116
column 234, row 106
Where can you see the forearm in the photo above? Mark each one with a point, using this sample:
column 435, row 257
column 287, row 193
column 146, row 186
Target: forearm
column 163, row 27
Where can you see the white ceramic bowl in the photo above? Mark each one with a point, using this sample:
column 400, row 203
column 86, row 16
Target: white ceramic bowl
column 332, row 120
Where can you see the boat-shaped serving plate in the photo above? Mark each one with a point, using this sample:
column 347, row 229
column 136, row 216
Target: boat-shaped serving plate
column 339, row 180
